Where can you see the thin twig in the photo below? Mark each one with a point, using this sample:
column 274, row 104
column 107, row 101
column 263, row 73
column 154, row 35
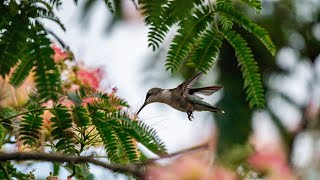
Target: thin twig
column 135, row 5
column 74, row 172
column 131, row 169
column 194, row 148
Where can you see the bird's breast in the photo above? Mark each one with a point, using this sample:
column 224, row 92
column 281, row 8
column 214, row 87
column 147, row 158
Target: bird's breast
column 176, row 101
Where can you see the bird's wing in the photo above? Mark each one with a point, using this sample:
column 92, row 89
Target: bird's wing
column 186, row 86
column 205, row 90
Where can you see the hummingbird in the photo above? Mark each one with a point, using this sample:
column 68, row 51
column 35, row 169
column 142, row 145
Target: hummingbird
column 183, row 97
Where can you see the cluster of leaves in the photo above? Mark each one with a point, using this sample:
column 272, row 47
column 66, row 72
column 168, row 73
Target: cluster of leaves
column 201, row 29
column 24, row 43
column 76, row 126
column 8, row 169
column 69, row 128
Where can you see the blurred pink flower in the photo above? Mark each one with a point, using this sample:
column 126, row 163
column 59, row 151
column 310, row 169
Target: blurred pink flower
column 88, row 100
column 272, row 159
column 220, row 173
column 59, row 55
column 66, row 102
column 189, row 167
column 90, row 78
column 46, row 123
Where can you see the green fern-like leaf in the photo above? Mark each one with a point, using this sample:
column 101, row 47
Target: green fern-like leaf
column 129, row 148
column 249, row 68
column 143, row 134
column 153, row 10
column 61, row 124
column 109, row 5
column 207, row 51
column 47, row 77
column 116, row 101
column 225, row 21
column 22, row 71
column 30, row 126
column 107, row 134
column 256, row 4
column 190, row 29
column 250, row 26
column 164, row 16
column 23, row 39
column 126, row 150
column 80, row 116
column 12, row 38
column 2, row 134
column 47, row 13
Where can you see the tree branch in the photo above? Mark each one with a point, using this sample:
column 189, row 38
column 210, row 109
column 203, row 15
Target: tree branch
column 132, row 169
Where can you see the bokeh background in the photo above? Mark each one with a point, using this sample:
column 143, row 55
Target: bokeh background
column 289, row 123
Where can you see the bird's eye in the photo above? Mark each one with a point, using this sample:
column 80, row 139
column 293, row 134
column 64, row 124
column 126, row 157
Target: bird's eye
column 148, row 95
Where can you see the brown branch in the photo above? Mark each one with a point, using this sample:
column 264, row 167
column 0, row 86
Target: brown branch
column 134, row 169
column 131, row 169
column 194, row 148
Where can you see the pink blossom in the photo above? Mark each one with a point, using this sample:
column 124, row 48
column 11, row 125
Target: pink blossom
column 88, row 100
column 66, row 102
column 90, row 78
column 59, row 55
column 222, row 174
column 272, row 159
column 189, row 167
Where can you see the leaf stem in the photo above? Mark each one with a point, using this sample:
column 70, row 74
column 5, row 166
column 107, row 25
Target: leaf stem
column 4, row 169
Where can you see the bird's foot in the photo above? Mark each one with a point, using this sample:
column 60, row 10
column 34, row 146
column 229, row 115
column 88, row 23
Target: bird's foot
column 190, row 115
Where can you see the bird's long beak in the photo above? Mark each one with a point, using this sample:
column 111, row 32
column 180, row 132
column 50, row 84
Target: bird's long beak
column 144, row 104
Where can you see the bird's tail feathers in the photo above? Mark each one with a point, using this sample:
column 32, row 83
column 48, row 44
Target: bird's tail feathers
column 208, row 107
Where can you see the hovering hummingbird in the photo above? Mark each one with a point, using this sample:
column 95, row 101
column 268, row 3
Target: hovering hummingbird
column 183, row 97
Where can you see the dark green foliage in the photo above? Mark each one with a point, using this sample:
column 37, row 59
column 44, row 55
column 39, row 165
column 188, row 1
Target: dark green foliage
column 23, row 41
column 249, row 68
column 89, row 4
column 30, row 126
column 109, row 5
column 253, row 28
column 8, row 167
column 118, row 133
column 80, row 116
column 163, row 15
column 143, row 134
column 225, row 21
column 61, row 132
column 22, row 71
column 198, row 38
column 152, row 10
column 2, row 134
column 158, row 19
column 190, row 29
column 256, row 4
column 47, row 77
column 207, row 51
column 12, row 26
column 107, row 135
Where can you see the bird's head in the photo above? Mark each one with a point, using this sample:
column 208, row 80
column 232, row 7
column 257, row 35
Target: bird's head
column 152, row 96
